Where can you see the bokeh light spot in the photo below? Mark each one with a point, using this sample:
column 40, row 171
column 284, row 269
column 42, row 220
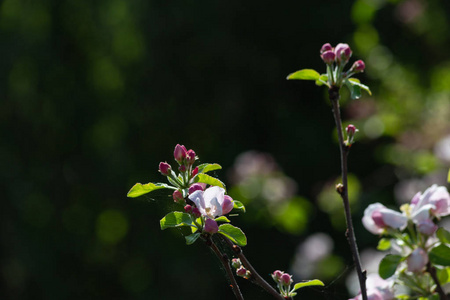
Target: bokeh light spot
column 112, row 226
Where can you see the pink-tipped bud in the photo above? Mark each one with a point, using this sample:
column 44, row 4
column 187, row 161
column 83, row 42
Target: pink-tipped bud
column 417, row 260
column 195, row 187
column 276, row 275
column 188, row 208
column 236, row 263
column 179, row 153
column 328, row 57
column 326, row 47
column 211, row 226
column 358, row 66
column 190, row 157
column 165, row 168
column 286, row 279
column 343, row 53
column 227, row 204
column 196, row 212
column 194, row 172
column 182, row 168
column 351, row 130
column 241, row 272
column 178, row 196
column 427, row 227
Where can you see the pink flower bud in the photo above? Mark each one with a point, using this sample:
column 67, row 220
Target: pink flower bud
column 195, row 187
column 236, row 263
column 211, row 226
column 178, row 196
column 326, row 47
column 196, row 212
column 164, row 168
column 328, row 57
column 190, row 157
column 286, row 279
column 358, row 66
column 427, row 227
column 351, row 129
column 227, row 204
column 182, row 168
column 194, row 172
column 343, row 53
column 188, row 208
column 276, row 275
column 241, row 272
column 417, row 260
column 179, row 153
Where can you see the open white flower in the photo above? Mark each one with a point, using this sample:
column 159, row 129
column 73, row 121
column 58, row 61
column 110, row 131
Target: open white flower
column 212, row 202
column 378, row 217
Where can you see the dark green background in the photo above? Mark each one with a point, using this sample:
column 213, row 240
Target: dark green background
column 94, row 94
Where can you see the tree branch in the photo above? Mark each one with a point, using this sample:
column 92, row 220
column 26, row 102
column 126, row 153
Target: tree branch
column 440, row 291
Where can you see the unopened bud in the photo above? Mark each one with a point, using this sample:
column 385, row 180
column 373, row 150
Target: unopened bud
column 236, row 263
column 178, row 196
column 286, row 279
column 328, row 57
column 343, row 53
column 351, row 131
column 179, row 153
column 182, row 168
column 358, row 66
column 188, row 208
column 165, row 168
column 194, row 172
column 427, row 227
column 241, row 272
column 196, row 212
column 417, row 260
column 276, row 275
column 190, row 157
column 326, row 47
column 211, row 226
column 340, row 188
column 227, row 204
column 195, row 187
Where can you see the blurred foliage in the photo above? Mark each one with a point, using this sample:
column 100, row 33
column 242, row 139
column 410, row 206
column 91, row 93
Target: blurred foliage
column 94, row 94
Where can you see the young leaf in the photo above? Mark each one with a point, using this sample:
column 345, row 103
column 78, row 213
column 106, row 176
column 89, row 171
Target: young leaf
column 355, row 90
column 443, row 275
column 235, row 234
column 209, row 180
column 443, row 235
column 323, row 79
column 222, row 219
column 384, row 244
column 440, row 255
column 305, row 74
column 238, row 205
column 190, row 239
column 388, row 265
column 314, row 282
column 205, row 168
column 176, row 219
column 140, row 189
column 355, row 81
column 448, row 177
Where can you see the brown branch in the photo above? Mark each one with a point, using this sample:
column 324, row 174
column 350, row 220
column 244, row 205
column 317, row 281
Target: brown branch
column 254, row 274
column 333, row 93
column 226, row 264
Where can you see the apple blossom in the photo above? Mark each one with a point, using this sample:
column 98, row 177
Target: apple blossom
column 377, row 288
column 436, row 196
column 211, row 202
column 377, row 218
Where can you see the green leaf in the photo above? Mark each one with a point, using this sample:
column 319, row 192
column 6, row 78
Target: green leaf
column 440, row 255
column 305, row 74
column 238, row 205
column 314, row 282
column 209, row 180
column 176, row 219
column 190, row 239
column 388, row 265
column 402, row 297
column 443, row 235
column 384, row 244
column 205, row 168
column 323, row 79
column 140, row 189
column 222, row 219
column 235, row 234
column 448, row 177
column 174, row 182
column 355, row 90
column 443, row 275
column 355, row 81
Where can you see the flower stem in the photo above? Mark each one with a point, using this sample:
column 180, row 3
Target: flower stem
column 439, row 290
column 334, row 96
column 255, row 276
column 226, row 264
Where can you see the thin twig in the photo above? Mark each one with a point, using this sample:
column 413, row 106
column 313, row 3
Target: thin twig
column 254, row 275
column 226, row 264
column 439, row 290
column 333, row 93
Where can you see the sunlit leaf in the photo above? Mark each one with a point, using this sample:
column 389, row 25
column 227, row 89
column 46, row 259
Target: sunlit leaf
column 238, row 205
column 443, row 235
column 209, row 180
column 235, row 234
column 323, row 79
column 222, row 219
column 384, row 244
column 355, row 81
column 388, row 265
column 314, row 282
column 305, row 74
column 355, row 90
column 443, row 275
column 205, row 168
column 140, row 189
column 176, row 219
column 440, row 255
